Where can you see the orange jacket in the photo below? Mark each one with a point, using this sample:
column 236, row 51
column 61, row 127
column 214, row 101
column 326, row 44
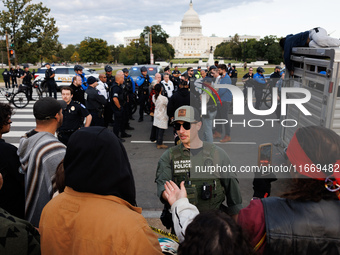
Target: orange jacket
column 86, row 223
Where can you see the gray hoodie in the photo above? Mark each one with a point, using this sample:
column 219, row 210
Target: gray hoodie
column 39, row 153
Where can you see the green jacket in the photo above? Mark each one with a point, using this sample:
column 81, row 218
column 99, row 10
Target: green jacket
column 195, row 175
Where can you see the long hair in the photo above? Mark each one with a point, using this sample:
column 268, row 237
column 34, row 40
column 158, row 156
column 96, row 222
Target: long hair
column 322, row 146
column 214, row 232
column 158, row 89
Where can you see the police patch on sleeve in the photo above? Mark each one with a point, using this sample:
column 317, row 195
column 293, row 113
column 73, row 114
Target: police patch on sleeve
column 115, row 95
column 83, row 106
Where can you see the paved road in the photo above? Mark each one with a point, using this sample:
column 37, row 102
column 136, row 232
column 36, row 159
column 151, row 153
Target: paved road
column 144, row 155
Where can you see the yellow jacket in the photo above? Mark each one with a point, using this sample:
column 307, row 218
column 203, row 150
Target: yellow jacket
column 85, row 223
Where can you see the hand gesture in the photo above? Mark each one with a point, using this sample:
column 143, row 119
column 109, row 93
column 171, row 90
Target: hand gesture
column 173, row 193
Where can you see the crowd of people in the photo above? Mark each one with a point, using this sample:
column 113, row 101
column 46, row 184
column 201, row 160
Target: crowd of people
column 63, row 195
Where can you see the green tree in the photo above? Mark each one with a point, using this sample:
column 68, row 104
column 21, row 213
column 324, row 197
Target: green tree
column 114, row 52
column 159, row 36
column 75, row 57
column 33, row 30
column 93, row 50
column 68, row 52
column 135, row 53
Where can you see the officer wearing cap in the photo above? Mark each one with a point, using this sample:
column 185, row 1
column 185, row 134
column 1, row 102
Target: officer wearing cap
column 27, row 81
column 198, row 74
column 73, row 116
column 143, row 82
column 189, row 162
column 109, row 78
column 49, row 77
column 78, row 69
column 95, row 102
column 129, row 89
column 6, row 75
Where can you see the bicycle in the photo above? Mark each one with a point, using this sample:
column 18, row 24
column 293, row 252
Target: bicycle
column 266, row 97
column 41, row 89
column 19, row 99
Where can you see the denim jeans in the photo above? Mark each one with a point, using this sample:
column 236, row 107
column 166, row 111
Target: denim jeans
column 207, row 122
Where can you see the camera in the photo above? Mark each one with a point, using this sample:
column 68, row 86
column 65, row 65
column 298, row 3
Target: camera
column 206, row 191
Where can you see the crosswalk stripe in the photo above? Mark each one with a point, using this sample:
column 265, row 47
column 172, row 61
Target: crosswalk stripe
column 23, row 124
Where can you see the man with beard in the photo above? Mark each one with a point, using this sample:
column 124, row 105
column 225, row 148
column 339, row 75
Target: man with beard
column 40, row 153
column 78, row 91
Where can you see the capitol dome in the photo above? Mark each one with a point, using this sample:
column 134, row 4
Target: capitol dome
column 191, row 24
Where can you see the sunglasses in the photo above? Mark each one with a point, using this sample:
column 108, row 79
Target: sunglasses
column 186, row 125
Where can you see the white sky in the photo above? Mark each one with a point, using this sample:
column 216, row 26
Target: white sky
column 112, row 20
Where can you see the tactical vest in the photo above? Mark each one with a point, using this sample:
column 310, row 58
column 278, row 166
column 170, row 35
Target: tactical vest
column 295, row 227
column 206, row 193
column 146, row 84
column 128, row 85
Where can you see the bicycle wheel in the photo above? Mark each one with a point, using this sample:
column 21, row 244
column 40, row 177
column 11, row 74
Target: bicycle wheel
column 36, row 94
column 20, row 100
column 268, row 100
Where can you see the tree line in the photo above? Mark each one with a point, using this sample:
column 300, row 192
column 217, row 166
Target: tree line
column 267, row 48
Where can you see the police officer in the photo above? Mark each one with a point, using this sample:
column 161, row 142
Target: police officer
column 49, row 77
column 233, row 75
column 176, row 78
column 118, row 99
column 78, row 69
column 95, row 102
column 198, row 75
column 143, row 83
column 27, row 81
column 109, row 78
column 192, row 78
column 78, row 91
column 129, row 88
column 6, row 75
column 73, row 116
column 188, row 162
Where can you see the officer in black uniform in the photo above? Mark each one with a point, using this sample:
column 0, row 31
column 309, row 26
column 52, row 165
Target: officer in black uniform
column 78, row 91
column 27, row 81
column 49, row 77
column 73, row 116
column 118, row 99
column 176, row 78
column 129, row 87
column 95, row 102
column 6, row 75
column 192, row 79
column 109, row 78
column 233, row 75
column 143, row 83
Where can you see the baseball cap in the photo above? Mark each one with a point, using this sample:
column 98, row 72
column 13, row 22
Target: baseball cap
column 277, row 67
column 91, row 80
column 47, row 64
column 143, row 69
column 166, row 68
column 125, row 70
column 47, row 107
column 187, row 113
column 213, row 67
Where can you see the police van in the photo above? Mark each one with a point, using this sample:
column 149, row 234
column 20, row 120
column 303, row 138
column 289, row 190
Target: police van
column 318, row 71
column 63, row 75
